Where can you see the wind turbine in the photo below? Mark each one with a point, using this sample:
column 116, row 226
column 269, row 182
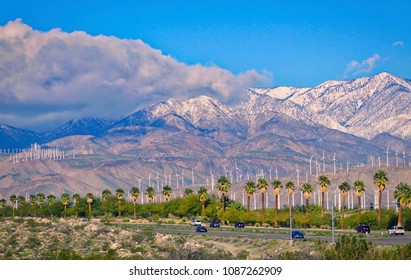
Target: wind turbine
column 276, row 173
column 212, row 181
column 323, row 158
column 396, row 157
column 348, row 164
column 403, row 155
column 386, row 152
column 177, row 179
column 310, row 165
column 139, row 183
column 298, row 176
column 158, row 182
column 379, row 161
column 192, row 177
column 334, row 163
column 149, row 180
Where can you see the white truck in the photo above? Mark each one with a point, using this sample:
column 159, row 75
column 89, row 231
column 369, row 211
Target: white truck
column 196, row 223
column 396, row 230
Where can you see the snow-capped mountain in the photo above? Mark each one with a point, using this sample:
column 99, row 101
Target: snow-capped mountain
column 77, row 126
column 363, row 107
column 12, row 137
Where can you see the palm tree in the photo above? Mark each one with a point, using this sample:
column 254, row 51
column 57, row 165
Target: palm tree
column 105, row 195
column 89, row 199
column 324, row 184
column 187, row 192
column 135, row 192
column 402, row 194
column 344, row 188
column 277, row 185
column 32, row 201
column 76, row 200
column 167, row 191
column 249, row 189
column 290, row 186
column 21, row 200
column 120, row 195
column 51, row 200
column 150, row 193
column 262, row 185
column 3, row 204
column 307, row 189
column 65, row 200
column 223, row 185
column 359, row 189
column 40, row 199
column 380, row 180
column 13, row 200
column 203, row 196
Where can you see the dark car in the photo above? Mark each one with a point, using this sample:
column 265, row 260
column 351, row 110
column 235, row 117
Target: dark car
column 363, row 229
column 201, row 229
column 239, row 225
column 215, row 224
column 297, row 234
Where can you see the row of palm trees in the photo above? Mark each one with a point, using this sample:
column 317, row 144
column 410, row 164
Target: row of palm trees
column 402, row 193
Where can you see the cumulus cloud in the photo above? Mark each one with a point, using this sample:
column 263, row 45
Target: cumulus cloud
column 356, row 68
column 398, row 44
column 49, row 77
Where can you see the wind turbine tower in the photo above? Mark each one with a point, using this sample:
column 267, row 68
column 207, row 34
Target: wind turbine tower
column 192, row 177
column 323, row 161
column 396, row 157
column 334, row 164
column 386, row 152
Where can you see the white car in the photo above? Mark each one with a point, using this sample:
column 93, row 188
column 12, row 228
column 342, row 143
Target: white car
column 196, row 223
column 396, row 230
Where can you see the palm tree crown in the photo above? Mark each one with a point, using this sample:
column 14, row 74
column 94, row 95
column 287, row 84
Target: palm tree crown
column 167, row 191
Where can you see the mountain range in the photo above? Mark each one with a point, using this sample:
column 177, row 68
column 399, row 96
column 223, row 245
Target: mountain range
column 354, row 121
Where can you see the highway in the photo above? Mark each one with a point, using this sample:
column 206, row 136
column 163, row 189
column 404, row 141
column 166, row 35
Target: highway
column 281, row 234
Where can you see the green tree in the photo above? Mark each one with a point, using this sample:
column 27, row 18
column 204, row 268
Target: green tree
column 21, row 201
column 65, row 200
column 249, row 189
column 359, row 189
column 32, row 201
column 290, row 186
column 76, row 200
column 277, row 185
column 380, row 180
column 344, row 188
column 3, row 204
column 120, row 196
column 106, row 194
column 187, row 192
column 89, row 199
column 203, row 196
column 307, row 189
column 324, row 182
column 262, row 185
column 51, row 200
column 150, row 193
column 223, row 185
column 402, row 194
column 40, row 199
column 13, row 200
column 135, row 192
column 167, row 191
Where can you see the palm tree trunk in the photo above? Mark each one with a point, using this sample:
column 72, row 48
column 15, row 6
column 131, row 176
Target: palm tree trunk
column 306, row 207
column 222, row 202
column 248, row 203
column 379, row 207
column 202, row 208
column 89, row 209
column 322, row 205
column 342, row 212
column 134, row 211
column 276, row 211
column 399, row 216
column 119, row 212
column 262, row 207
column 65, row 209
column 359, row 205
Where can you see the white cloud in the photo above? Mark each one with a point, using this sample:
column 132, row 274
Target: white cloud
column 356, row 68
column 48, row 77
column 398, row 44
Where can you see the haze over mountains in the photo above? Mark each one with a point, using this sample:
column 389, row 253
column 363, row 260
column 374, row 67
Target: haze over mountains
column 283, row 127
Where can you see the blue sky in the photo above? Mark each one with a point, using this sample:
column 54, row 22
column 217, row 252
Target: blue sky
column 54, row 65
column 301, row 43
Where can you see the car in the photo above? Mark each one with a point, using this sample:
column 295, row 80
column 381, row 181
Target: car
column 297, row 234
column 201, row 229
column 195, row 223
column 396, row 230
column 239, row 225
column 363, row 229
column 215, row 224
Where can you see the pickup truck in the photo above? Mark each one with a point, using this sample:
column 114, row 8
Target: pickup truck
column 396, row 230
